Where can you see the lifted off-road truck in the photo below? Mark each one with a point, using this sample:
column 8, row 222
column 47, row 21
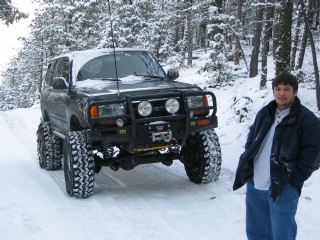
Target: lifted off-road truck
column 118, row 108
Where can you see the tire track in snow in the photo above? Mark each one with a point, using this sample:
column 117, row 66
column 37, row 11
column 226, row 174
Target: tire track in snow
column 93, row 222
column 147, row 223
column 140, row 221
column 212, row 196
column 134, row 192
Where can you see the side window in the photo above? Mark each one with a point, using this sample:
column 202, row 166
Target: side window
column 62, row 69
column 49, row 74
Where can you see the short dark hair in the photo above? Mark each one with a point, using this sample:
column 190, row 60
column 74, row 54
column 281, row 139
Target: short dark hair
column 286, row 79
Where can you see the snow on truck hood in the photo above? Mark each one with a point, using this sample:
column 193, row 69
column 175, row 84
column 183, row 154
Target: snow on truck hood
column 128, row 84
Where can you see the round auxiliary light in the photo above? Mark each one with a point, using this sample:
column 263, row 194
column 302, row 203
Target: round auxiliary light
column 144, row 108
column 120, row 122
column 172, row 105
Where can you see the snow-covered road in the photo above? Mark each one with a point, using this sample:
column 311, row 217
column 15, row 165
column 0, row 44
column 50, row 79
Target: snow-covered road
column 150, row 202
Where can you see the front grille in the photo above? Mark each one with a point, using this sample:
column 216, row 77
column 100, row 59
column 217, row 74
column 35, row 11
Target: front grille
column 158, row 108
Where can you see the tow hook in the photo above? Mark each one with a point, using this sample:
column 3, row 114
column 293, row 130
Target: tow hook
column 167, row 138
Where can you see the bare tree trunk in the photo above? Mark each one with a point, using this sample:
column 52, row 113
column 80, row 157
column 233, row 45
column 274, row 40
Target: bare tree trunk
column 265, row 45
column 184, row 46
column 270, row 13
column 284, row 46
column 203, row 27
column 317, row 6
column 311, row 17
column 237, row 48
column 296, row 38
column 316, row 70
column 179, row 27
column 41, row 66
column 189, row 36
column 219, row 4
column 276, row 26
column 256, row 41
column 314, row 56
column 203, row 35
column 176, row 35
column 304, row 39
column 41, row 73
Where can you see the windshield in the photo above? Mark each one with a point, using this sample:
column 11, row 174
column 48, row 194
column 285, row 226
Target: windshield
column 128, row 63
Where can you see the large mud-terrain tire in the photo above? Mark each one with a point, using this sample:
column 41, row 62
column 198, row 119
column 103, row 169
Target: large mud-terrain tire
column 49, row 148
column 78, row 165
column 202, row 157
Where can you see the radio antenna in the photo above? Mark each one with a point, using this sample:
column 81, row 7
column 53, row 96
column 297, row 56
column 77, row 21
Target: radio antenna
column 114, row 49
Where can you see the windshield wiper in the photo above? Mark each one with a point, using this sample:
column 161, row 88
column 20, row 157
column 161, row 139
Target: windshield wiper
column 109, row 79
column 150, row 76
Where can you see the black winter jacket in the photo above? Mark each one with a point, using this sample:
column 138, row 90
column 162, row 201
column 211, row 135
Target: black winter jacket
column 295, row 152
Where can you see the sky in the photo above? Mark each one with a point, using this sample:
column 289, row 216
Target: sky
column 9, row 42
column 151, row 201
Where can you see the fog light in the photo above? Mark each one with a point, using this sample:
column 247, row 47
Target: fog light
column 144, row 108
column 172, row 105
column 120, row 122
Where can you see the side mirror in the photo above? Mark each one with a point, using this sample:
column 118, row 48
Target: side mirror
column 173, row 73
column 59, row 83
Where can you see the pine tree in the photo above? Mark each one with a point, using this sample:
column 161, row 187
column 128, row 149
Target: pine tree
column 9, row 13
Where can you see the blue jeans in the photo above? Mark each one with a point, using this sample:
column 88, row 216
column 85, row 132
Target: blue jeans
column 267, row 219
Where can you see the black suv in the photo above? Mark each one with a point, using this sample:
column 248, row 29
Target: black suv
column 118, row 108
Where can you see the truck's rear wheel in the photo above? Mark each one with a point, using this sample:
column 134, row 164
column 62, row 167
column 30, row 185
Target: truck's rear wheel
column 78, row 165
column 202, row 157
column 49, row 148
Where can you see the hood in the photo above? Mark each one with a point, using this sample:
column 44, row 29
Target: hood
column 129, row 84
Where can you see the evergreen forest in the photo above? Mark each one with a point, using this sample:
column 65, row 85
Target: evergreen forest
column 237, row 36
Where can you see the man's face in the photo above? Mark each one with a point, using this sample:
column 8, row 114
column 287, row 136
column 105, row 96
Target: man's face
column 284, row 96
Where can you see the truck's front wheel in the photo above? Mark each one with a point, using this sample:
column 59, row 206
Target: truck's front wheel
column 202, row 157
column 78, row 165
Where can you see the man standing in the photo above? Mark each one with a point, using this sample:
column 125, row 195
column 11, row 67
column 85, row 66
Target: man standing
column 281, row 152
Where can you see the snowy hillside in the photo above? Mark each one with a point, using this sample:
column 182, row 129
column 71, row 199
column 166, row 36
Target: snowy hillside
column 150, row 202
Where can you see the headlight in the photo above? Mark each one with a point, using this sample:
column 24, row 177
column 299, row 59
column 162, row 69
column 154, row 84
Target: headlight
column 195, row 101
column 111, row 110
column 108, row 110
column 144, row 108
column 172, row 105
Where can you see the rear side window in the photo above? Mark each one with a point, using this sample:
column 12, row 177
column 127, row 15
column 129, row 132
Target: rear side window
column 49, row 74
column 62, row 69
